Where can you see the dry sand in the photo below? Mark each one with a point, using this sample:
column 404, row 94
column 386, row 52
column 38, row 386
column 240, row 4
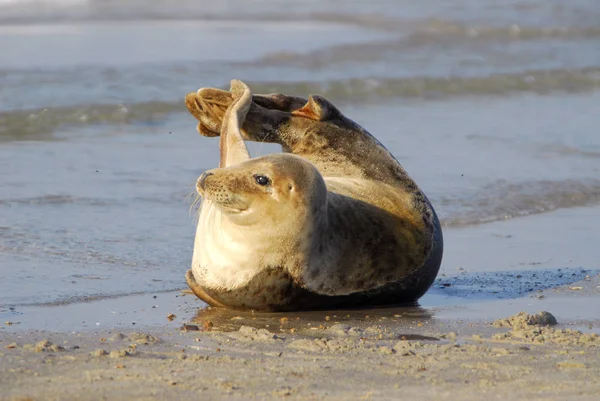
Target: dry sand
column 402, row 353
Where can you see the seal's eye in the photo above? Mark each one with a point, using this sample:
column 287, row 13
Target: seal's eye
column 262, row 180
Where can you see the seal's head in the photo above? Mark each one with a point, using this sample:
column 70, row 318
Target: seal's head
column 276, row 191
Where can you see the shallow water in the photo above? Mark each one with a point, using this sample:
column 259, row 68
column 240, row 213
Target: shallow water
column 493, row 109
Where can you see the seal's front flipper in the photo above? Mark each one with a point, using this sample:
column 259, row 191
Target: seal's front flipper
column 198, row 291
column 232, row 146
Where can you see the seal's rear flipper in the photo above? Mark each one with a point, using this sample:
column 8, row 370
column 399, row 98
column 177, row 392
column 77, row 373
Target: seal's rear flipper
column 208, row 106
column 233, row 148
column 319, row 109
column 278, row 101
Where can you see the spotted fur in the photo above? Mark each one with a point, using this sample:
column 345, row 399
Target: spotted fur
column 357, row 230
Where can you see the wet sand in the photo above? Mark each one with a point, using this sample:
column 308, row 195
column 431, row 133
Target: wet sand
column 382, row 355
column 167, row 345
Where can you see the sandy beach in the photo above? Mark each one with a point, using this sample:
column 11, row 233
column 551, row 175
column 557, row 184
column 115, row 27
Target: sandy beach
column 377, row 354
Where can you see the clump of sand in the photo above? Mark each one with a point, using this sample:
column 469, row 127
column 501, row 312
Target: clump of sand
column 536, row 329
column 43, row 346
column 142, row 338
column 524, row 320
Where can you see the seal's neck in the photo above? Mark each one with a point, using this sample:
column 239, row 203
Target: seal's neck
column 228, row 256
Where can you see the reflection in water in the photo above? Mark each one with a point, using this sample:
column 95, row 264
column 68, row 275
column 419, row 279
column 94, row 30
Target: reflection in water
column 394, row 319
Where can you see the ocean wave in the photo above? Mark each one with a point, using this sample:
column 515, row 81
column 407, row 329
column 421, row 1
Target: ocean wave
column 425, row 23
column 504, row 200
column 565, row 150
column 439, row 30
column 421, row 34
column 358, row 90
column 41, row 123
column 90, row 297
column 501, row 200
column 45, row 11
column 57, row 200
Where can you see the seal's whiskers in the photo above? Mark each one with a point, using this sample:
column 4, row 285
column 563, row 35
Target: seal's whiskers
column 195, row 205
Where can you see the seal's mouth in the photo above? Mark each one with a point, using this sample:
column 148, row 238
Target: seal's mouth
column 233, row 210
column 221, row 197
column 226, row 204
column 228, row 208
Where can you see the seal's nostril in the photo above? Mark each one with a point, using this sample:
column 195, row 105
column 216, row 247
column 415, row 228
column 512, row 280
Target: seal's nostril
column 202, row 179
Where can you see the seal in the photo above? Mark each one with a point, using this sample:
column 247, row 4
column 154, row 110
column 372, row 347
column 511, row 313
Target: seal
column 334, row 221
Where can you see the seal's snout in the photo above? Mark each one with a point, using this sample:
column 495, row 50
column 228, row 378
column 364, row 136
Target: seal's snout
column 202, row 180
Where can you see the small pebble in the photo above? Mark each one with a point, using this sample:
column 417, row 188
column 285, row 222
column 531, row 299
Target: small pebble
column 190, row 327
